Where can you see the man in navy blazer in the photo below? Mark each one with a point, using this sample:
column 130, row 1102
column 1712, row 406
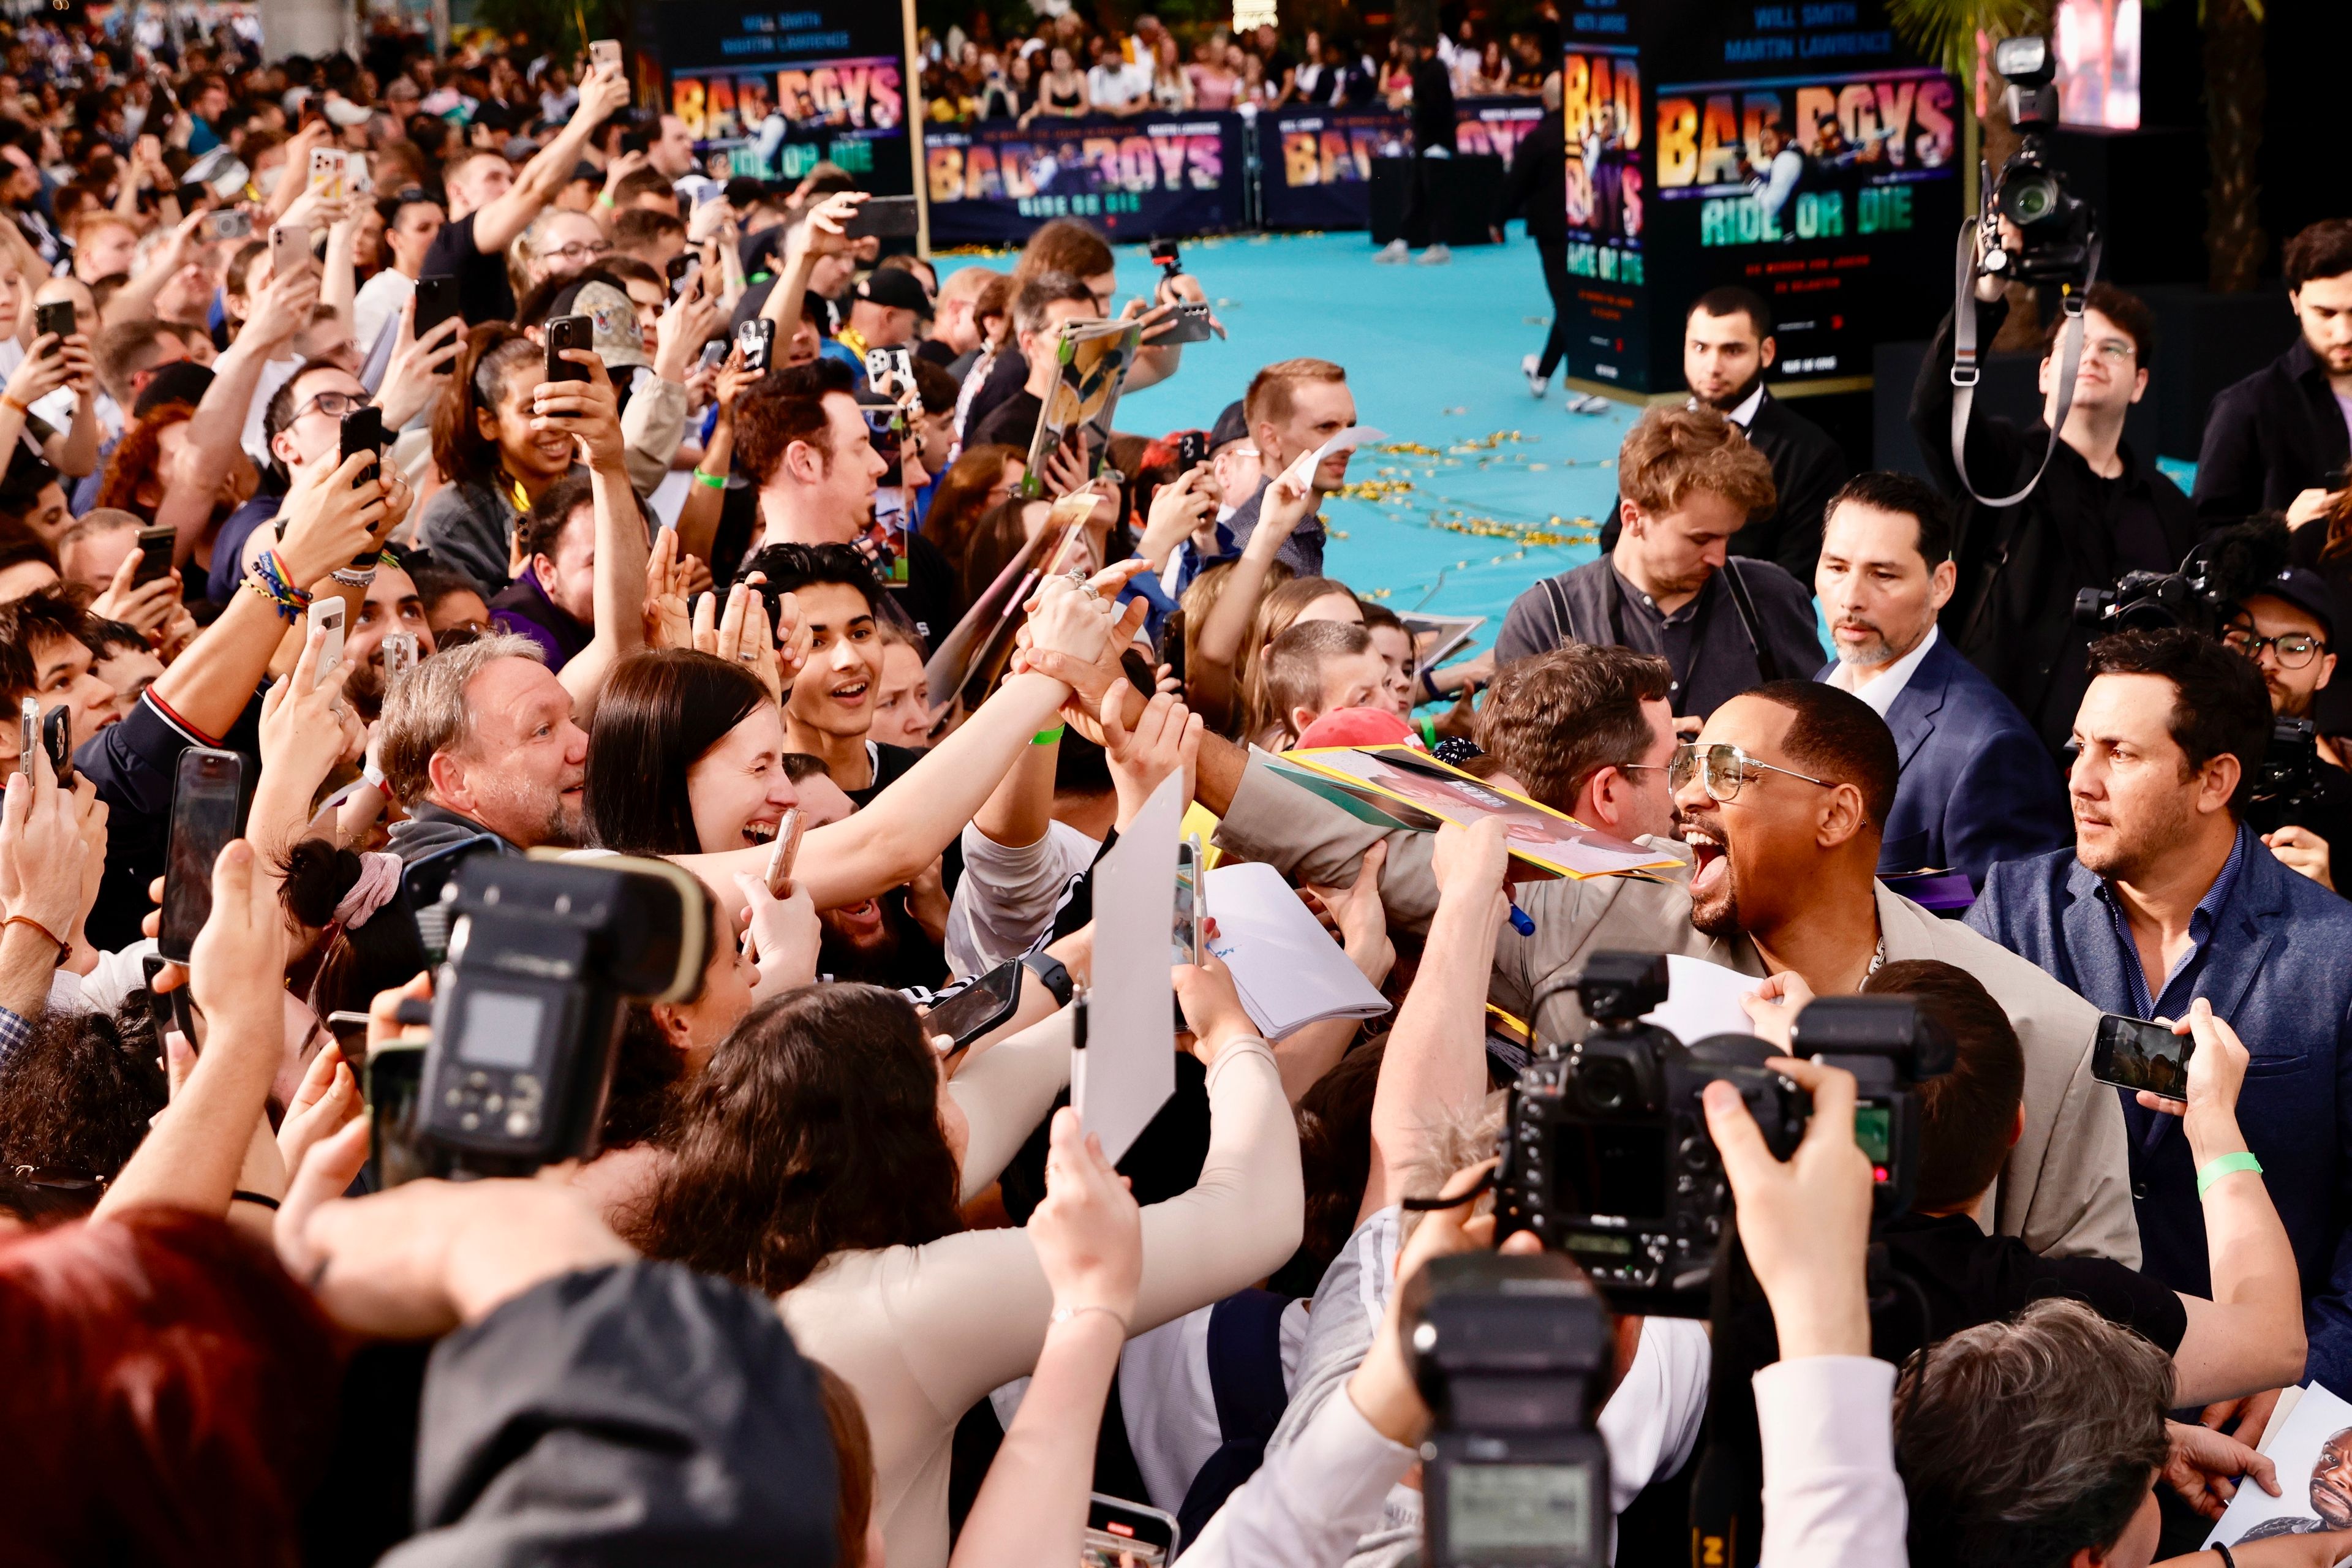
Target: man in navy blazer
column 2169, row 896
column 1977, row 785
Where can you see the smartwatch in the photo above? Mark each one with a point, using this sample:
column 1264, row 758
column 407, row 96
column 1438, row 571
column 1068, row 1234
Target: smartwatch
column 1052, row 973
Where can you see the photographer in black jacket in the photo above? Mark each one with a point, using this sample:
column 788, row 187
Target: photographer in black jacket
column 2287, row 628
column 2098, row 511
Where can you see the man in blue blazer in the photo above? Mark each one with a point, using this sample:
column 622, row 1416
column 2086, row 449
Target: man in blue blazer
column 1977, row 785
column 2169, row 896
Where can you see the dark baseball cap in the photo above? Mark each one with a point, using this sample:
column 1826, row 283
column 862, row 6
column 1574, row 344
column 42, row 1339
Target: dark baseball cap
column 2306, row 590
column 182, row 380
column 1230, row 427
column 900, row 290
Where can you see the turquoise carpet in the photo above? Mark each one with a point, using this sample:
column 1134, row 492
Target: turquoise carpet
column 1507, row 489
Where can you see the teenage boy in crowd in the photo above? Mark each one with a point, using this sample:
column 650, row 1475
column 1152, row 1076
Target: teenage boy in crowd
column 830, row 707
column 552, row 600
column 1728, row 345
column 1690, row 481
column 1319, row 667
column 2276, row 441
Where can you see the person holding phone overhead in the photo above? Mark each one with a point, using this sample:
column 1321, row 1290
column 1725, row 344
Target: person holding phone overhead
column 490, row 206
column 2169, row 897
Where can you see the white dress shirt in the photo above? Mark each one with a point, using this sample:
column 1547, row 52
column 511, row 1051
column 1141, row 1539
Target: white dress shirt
column 1882, row 691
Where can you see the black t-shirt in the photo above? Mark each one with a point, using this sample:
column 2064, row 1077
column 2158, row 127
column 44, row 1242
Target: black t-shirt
column 891, row 763
column 1008, row 375
column 933, row 597
column 1011, row 423
column 1968, row 1277
column 936, row 352
column 483, row 293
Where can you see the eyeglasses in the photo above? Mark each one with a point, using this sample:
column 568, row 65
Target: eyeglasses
column 581, row 250
column 1722, row 769
column 2295, row 650
column 335, row 404
column 2113, row 350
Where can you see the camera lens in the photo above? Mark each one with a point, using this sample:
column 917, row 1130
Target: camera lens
column 2029, row 197
column 1606, row 1085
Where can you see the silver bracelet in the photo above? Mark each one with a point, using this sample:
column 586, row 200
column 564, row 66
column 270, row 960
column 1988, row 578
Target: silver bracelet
column 1063, row 1314
column 350, row 579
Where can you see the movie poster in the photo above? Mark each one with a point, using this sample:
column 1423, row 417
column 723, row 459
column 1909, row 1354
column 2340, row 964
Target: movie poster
column 1318, row 162
column 993, row 182
column 779, row 91
column 1777, row 161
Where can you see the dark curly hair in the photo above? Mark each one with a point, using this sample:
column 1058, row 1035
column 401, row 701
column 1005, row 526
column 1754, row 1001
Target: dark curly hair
column 814, row 1130
column 76, row 1098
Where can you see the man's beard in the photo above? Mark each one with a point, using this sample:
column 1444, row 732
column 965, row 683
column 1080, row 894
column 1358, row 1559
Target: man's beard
column 1871, row 654
column 1736, row 395
column 2129, row 856
column 2292, row 704
column 563, row 828
column 2337, row 360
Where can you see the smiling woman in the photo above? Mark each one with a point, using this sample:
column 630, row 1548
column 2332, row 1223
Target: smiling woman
column 685, row 754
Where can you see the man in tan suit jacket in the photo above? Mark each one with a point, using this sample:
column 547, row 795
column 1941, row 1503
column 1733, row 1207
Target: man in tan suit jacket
column 1783, row 876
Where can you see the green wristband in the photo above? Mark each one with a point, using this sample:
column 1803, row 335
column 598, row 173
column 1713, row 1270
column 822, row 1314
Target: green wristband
column 716, row 482
column 1428, row 732
column 2222, row 1166
column 1047, row 737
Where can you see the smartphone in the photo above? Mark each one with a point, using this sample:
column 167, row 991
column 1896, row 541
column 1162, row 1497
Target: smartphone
column 289, row 247
column 327, row 173
column 757, row 339
column 714, row 353
column 1116, row 1529
column 1188, row 323
column 1192, row 449
column 606, row 52
column 569, row 332
column 55, row 317
column 437, row 301
column 227, row 223
column 154, row 555
column 882, row 218
column 2132, row 1053
column 350, row 1032
column 357, row 175
column 979, row 1008
column 787, row 849
column 57, row 739
column 327, row 615
column 678, row 266
column 394, row 1077
column 399, row 649
column 1191, row 904
column 362, row 431
column 207, row 811
column 29, row 737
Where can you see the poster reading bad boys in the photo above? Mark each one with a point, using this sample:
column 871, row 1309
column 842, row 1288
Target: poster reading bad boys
column 780, row 91
column 992, row 183
column 1796, row 149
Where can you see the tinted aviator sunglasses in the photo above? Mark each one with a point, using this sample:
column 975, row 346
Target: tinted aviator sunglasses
column 1721, row 770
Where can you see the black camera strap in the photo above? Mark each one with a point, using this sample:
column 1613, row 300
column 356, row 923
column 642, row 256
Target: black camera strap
column 1966, row 369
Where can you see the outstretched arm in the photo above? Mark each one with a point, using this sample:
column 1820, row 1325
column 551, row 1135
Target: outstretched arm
column 498, row 221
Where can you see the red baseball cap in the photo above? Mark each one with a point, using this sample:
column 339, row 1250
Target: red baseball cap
column 1359, row 727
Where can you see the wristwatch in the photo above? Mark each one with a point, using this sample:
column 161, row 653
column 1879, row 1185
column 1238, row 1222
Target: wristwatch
column 1052, row 973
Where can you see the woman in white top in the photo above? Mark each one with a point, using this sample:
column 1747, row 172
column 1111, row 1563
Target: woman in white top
column 822, row 1157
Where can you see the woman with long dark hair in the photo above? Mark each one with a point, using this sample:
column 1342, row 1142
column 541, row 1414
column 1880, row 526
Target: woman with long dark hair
column 685, row 755
column 822, row 1157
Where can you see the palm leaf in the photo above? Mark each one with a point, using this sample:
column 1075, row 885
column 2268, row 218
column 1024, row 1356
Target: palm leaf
column 1945, row 31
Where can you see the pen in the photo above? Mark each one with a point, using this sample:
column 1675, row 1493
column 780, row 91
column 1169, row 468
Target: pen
column 1519, row 920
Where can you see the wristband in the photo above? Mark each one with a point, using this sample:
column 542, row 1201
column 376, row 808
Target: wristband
column 1429, row 732
column 1047, row 737
column 263, row 1199
column 10, row 399
column 1428, row 684
column 372, row 774
column 64, row 951
column 2221, row 1165
column 716, row 482
column 351, row 578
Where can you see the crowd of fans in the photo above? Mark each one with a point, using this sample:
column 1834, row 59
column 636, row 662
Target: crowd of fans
column 832, row 1292
column 1067, row 70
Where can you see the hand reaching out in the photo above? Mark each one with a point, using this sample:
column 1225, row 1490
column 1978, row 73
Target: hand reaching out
column 1282, row 507
column 146, row 606
column 670, row 622
column 1357, row 916
column 1470, row 863
column 780, row 935
column 237, row 970
column 1088, row 1231
column 1166, row 739
column 302, row 735
column 1773, row 1007
column 1212, row 1006
column 2204, row 1467
column 1178, row 509
column 588, row 410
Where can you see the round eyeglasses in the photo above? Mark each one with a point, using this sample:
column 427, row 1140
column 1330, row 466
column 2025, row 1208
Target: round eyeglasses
column 2295, row 650
column 1721, row 770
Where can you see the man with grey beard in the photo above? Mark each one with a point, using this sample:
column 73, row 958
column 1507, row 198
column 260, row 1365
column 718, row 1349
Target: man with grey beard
column 1977, row 785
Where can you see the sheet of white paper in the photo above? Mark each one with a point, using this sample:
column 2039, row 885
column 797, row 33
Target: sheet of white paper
column 1129, row 1067
column 2321, row 1422
column 1286, row 967
column 1703, row 999
column 2287, row 1400
column 1346, row 440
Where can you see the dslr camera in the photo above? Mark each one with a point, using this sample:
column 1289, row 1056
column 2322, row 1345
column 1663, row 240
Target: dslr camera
column 1606, row 1155
column 2058, row 233
column 1511, row 1354
column 545, row 952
